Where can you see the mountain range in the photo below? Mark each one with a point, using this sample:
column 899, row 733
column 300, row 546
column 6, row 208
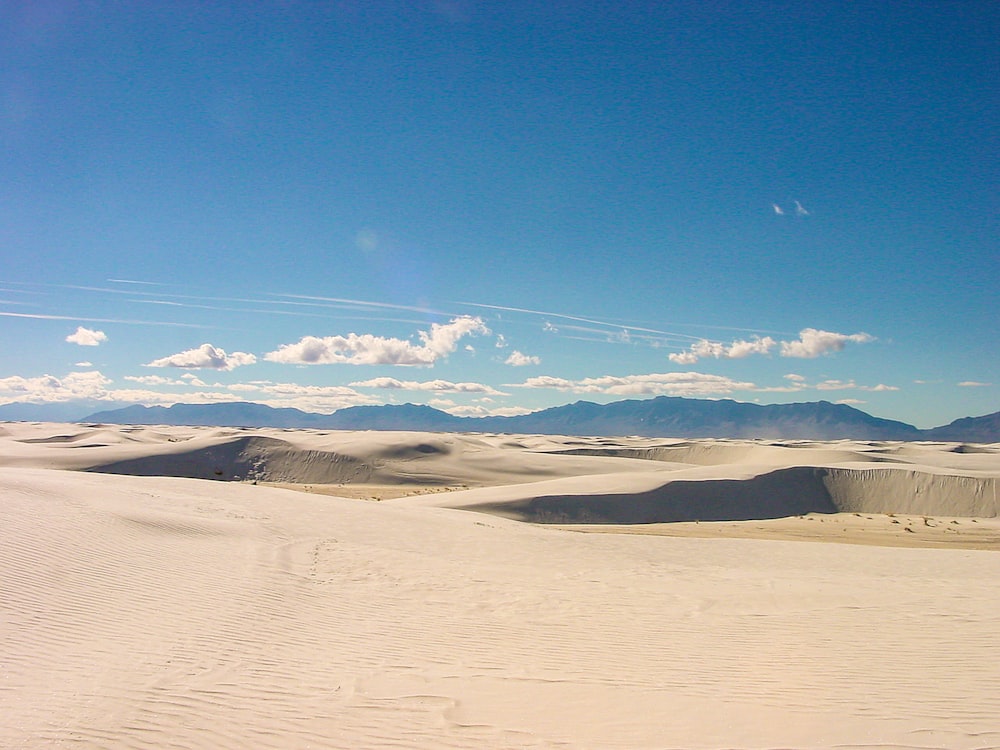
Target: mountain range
column 663, row 416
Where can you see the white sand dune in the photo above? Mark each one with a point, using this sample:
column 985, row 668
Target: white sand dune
column 143, row 608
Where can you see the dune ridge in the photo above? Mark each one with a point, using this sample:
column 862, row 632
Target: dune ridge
column 771, row 494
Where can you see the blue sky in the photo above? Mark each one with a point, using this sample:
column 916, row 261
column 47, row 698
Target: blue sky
column 498, row 207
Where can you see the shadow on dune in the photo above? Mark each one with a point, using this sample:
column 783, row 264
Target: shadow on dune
column 248, row 459
column 777, row 494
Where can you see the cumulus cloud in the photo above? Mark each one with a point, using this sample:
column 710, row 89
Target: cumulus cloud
column 435, row 386
column 736, row 350
column 83, row 364
column 658, row 384
column 367, row 349
column 86, row 337
column 205, row 356
column 517, row 359
column 813, row 343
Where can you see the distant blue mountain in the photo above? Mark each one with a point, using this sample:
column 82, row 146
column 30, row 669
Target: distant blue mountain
column 662, row 416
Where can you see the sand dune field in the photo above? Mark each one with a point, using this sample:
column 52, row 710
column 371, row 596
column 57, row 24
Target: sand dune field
column 169, row 587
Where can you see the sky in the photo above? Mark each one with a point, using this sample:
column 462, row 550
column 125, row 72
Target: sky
column 493, row 208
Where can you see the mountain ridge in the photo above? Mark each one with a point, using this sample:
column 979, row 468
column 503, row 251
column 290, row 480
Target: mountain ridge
column 662, row 416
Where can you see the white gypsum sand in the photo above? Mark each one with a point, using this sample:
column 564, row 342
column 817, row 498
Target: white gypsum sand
column 149, row 609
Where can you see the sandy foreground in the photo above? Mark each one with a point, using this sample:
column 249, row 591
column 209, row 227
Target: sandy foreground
column 175, row 587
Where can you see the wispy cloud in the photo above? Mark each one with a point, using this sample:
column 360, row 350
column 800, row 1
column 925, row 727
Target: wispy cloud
column 850, row 385
column 800, row 210
column 205, row 356
column 434, row 386
column 134, row 281
column 123, row 321
column 605, row 327
column 368, row 349
column 187, row 380
column 974, row 384
column 87, row 337
column 343, row 302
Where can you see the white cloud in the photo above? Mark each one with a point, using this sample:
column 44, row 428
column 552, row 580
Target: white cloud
column 736, row 350
column 795, row 378
column 478, row 410
column 844, row 385
column 367, row 349
column 517, row 359
column 501, row 341
column 684, row 358
column 436, row 386
column 974, row 384
column 546, row 381
column 799, row 210
column 185, row 380
column 205, row 356
column 880, row 387
column 86, row 337
column 836, row 385
column 778, row 209
column 669, row 383
column 83, row 364
column 813, row 343
column 850, row 401
column 154, row 380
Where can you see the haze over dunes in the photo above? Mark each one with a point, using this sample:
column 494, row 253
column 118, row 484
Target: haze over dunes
column 163, row 586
